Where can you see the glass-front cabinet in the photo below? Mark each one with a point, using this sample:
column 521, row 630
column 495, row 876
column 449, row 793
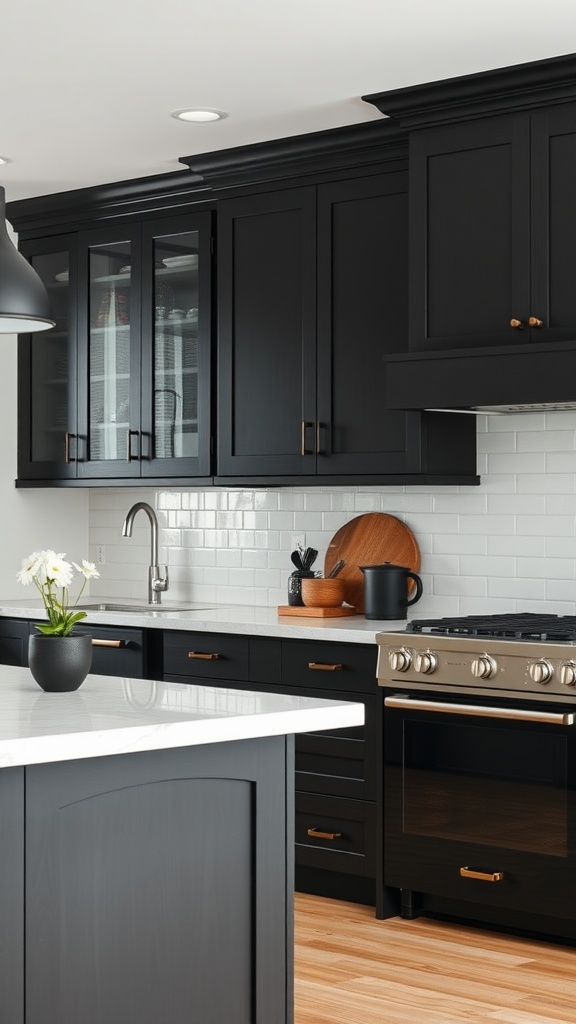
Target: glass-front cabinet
column 121, row 387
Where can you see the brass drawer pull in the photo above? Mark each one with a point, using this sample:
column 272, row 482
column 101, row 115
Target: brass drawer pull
column 320, row 666
column 518, row 325
column 316, row 834
column 482, row 876
column 533, row 321
column 108, row 643
column 203, row 657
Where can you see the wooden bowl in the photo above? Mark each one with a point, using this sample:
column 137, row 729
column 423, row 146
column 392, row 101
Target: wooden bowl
column 321, row 593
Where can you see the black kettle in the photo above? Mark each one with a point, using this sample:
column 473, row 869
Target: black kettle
column 386, row 590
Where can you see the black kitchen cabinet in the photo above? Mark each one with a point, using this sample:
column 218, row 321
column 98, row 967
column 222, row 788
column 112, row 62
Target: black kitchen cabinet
column 338, row 774
column 492, row 159
column 312, row 295
column 116, row 650
column 14, row 635
column 121, row 388
column 493, row 224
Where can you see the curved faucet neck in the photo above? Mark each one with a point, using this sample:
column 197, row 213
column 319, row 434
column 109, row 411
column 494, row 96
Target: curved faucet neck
column 143, row 506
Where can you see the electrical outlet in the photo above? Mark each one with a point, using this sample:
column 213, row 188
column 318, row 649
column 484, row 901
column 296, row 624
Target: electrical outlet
column 101, row 554
column 297, row 540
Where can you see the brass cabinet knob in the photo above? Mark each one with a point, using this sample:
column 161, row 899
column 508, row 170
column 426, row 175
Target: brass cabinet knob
column 519, row 325
column 533, row 321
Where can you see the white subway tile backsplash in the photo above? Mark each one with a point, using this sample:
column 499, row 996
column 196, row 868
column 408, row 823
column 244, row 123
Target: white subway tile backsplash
column 507, row 545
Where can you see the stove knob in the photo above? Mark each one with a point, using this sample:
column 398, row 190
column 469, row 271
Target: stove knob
column 483, row 667
column 400, row 660
column 568, row 673
column 426, row 663
column 541, row 672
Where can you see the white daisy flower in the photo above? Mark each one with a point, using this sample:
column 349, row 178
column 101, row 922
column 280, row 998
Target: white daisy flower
column 88, row 569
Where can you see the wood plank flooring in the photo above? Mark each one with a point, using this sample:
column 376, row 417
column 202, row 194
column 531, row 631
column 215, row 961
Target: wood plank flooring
column 352, row 969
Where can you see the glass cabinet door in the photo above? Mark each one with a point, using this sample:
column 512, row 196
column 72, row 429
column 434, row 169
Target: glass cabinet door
column 109, row 359
column 47, row 431
column 176, row 365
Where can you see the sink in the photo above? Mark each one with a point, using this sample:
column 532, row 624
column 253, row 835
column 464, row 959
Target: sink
column 109, row 606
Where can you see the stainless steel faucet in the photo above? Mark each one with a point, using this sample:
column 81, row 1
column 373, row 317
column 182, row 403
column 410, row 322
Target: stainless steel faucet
column 157, row 581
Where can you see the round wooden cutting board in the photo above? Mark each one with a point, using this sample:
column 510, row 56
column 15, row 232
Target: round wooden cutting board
column 370, row 539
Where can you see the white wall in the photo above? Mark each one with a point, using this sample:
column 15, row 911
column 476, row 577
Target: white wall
column 508, row 545
column 36, row 518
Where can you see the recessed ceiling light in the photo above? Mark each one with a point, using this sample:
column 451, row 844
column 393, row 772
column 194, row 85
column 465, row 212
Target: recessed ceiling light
column 4, row 160
column 198, row 114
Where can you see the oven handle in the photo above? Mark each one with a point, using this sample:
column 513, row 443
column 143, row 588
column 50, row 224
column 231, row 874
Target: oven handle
column 482, row 711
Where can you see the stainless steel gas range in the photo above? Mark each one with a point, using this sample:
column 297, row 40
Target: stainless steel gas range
column 480, row 770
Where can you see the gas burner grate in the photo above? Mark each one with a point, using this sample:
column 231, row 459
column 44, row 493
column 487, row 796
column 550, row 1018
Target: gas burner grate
column 520, row 626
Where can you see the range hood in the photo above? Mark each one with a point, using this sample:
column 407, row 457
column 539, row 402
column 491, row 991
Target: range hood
column 510, row 379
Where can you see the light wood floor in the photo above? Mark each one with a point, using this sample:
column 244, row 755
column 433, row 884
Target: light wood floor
column 352, row 969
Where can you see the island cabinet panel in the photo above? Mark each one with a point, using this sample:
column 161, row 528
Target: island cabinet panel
column 159, row 887
column 12, row 896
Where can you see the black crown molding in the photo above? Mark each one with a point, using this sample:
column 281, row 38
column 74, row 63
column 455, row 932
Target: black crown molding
column 117, row 199
column 357, row 145
column 521, row 87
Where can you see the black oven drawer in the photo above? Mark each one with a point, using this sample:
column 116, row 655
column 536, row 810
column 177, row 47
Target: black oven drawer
column 334, row 834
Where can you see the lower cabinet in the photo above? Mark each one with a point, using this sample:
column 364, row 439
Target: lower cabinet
column 116, row 650
column 338, row 795
column 14, row 635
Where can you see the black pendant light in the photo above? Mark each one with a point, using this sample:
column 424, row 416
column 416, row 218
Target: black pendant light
column 24, row 303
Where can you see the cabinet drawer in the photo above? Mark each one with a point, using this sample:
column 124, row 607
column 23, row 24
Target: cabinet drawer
column 343, row 834
column 118, row 652
column 207, row 656
column 333, row 765
column 333, row 666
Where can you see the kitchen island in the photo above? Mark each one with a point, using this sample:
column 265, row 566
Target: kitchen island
column 145, row 845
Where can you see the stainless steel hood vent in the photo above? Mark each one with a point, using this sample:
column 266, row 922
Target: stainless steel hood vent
column 511, row 379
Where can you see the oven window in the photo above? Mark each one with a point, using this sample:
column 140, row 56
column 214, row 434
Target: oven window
column 486, row 784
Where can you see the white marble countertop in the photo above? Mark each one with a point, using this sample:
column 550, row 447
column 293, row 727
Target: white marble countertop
column 250, row 620
column 110, row 715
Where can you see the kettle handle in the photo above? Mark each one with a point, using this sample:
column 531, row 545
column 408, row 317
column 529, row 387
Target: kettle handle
column 418, row 583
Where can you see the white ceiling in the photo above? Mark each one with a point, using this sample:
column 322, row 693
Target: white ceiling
column 86, row 88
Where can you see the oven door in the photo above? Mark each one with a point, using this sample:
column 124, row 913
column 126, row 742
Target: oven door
column 480, row 801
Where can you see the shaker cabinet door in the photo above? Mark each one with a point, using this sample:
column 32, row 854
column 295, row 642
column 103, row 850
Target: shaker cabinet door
column 362, row 317
column 267, row 334
column 553, row 299
column 470, row 234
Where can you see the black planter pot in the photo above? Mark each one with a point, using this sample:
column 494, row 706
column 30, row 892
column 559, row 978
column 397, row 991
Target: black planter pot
column 60, row 663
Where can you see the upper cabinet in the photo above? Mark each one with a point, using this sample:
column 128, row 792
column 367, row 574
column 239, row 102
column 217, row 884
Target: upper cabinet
column 493, row 223
column 121, row 387
column 492, row 211
column 312, row 295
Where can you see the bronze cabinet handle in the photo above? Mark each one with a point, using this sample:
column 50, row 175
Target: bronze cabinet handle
column 108, row 643
column 316, row 834
column 482, row 876
column 303, row 428
column 519, row 325
column 533, row 321
column 67, row 438
column 321, row 666
column 203, row 657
